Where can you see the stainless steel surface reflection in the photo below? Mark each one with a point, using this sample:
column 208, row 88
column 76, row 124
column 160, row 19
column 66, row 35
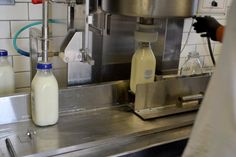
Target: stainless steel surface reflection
column 14, row 108
column 134, row 145
column 94, row 129
column 92, row 118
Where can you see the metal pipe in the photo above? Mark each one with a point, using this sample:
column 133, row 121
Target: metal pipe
column 45, row 32
column 191, row 97
column 86, row 31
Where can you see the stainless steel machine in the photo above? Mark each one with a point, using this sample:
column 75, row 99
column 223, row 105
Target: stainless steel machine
column 152, row 8
column 106, row 41
column 165, row 96
column 98, row 113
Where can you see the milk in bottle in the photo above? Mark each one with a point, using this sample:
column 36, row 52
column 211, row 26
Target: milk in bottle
column 7, row 79
column 44, row 96
column 143, row 66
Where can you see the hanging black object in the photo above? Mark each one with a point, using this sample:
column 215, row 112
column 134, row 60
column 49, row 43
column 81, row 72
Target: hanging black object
column 210, row 50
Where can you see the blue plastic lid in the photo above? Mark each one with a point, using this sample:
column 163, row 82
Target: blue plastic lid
column 3, row 53
column 44, row 66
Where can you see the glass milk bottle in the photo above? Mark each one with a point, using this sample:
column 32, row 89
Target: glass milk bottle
column 143, row 66
column 7, row 78
column 192, row 65
column 44, row 96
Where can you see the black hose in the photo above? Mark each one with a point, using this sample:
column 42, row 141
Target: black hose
column 210, row 50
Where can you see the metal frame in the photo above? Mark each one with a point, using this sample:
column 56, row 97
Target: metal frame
column 91, row 117
column 16, row 108
column 170, row 96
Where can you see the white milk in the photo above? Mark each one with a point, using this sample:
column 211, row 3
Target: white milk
column 143, row 66
column 44, row 98
column 7, row 79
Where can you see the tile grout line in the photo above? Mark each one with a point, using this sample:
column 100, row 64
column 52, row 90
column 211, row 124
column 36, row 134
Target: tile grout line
column 10, row 28
column 28, row 12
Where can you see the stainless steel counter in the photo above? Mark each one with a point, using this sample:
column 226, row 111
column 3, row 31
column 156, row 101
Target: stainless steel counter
column 98, row 132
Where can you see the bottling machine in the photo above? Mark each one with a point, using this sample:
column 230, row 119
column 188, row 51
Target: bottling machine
column 98, row 112
column 100, row 50
column 164, row 96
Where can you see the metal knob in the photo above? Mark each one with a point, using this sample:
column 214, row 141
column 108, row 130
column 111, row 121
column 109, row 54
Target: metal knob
column 214, row 4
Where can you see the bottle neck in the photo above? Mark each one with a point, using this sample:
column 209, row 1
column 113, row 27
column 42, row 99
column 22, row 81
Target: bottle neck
column 44, row 71
column 144, row 44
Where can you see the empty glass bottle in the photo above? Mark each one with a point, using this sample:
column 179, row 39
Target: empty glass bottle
column 192, row 65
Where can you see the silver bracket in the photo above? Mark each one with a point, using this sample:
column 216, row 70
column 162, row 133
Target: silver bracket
column 170, row 96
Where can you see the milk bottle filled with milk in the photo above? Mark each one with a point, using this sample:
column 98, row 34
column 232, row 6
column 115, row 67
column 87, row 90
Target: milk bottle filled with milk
column 143, row 66
column 44, row 96
column 7, row 79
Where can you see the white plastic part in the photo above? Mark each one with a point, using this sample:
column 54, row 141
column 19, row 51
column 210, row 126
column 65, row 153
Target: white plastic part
column 145, row 36
column 90, row 19
column 146, row 33
column 214, row 131
column 72, row 51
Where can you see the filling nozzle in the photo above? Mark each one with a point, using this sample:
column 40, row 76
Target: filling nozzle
column 45, row 23
column 146, row 30
column 45, row 31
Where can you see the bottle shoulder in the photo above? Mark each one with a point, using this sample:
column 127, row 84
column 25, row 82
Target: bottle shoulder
column 48, row 80
column 6, row 68
column 144, row 51
column 5, row 63
column 145, row 55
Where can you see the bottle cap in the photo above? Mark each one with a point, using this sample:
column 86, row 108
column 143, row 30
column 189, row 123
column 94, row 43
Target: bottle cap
column 43, row 66
column 3, row 53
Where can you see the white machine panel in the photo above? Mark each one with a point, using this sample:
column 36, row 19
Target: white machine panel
column 212, row 6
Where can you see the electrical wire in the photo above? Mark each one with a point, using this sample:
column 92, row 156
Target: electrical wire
column 208, row 43
column 20, row 51
column 210, row 50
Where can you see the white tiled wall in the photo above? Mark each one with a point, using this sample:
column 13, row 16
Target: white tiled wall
column 199, row 44
column 14, row 17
